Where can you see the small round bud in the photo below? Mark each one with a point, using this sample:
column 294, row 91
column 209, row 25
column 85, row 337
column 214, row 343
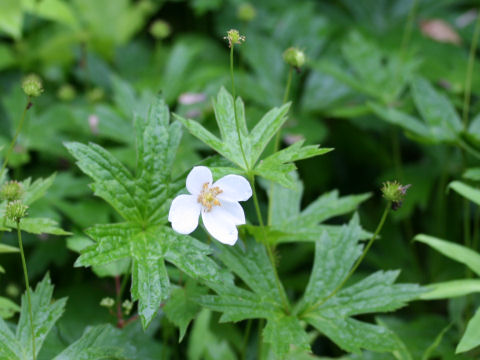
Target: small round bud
column 12, row 290
column 246, row 12
column 107, row 302
column 11, row 191
column 234, row 37
column 294, row 57
column 16, row 210
column 66, row 92
column 395, row 192
column 127, row 306
column 160, row 29
column 32, row 85
column 96, row 94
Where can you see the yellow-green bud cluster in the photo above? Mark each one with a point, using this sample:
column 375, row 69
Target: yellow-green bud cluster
column 395, row 192
column 16, row 210
column 32, row 85
column 234, row 37
column 160, row 29
column 127, row 307
column 294, row 57
column 11, row 191
column 246, row 12
column 107, row 302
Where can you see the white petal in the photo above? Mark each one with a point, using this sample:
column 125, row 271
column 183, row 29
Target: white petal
column 184, row 213
column 234, row 187
column 198, row 176
column 232, row 210
column 220, row 225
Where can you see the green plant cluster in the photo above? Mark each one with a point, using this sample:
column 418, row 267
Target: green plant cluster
column 364, row 247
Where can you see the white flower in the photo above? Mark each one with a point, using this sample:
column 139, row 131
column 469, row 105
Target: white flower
column 217, row 202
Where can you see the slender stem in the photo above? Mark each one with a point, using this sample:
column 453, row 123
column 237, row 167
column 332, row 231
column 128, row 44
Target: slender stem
column 277, row 144
column 25, row 273
column 245, row 339
column 14, row 140
column 357, row 263
column 118, row 289
column 468, row 79
column 235, row 110
column 407, row 32
column 281, row 290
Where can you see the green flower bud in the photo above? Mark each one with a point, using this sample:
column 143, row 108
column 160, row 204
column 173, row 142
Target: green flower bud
column 12, row 290
column 32, row 85
column 96, row 94
column 107, row 302
column 16, row 210
column 246, row 12
column 234, row 37
column 66, row 92
column 294, row 57
column 393, row 191
column 127, row 306
column 160, row 29
column 11, row 191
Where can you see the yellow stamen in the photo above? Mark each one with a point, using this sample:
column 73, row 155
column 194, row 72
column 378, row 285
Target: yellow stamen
column 208, row 196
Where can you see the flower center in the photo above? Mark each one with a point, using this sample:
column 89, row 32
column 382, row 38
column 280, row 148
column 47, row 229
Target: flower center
column 208, row 197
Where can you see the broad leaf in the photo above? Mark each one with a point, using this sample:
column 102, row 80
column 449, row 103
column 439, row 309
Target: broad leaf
column 329, row 308
column 454, row 251
column 230, row 145
column 466, row 191
column 143, row 201
column 262, row 299
column 450, row 289
column 471, row 338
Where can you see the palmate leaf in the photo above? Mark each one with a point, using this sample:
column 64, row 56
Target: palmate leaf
column 441, row 123
column 45, row 314
column 143, row 201
column 262, row 299
column 290, row 223
column 275, row 167
column 332, row 312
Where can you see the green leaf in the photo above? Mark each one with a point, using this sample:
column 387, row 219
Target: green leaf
column 454, row 251
column 91, row 346
column 451, row 289
column 39, row 226
column 437, row 110
column 286, row 334
column 143, row 201
column 252, row 143
column 277, row 166
column 113, row 182
column 45, row 314
column 9, row 347
column 471, row 338
column 329, row 309
column 157, row 144
column 181, row 308
column 11, row 18
column 466, row 191
column 5, row 249
column 37, row 189
column 7, row 308
column 406, row 121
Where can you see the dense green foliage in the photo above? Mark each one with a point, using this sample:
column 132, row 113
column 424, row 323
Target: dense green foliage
column 129, row 95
